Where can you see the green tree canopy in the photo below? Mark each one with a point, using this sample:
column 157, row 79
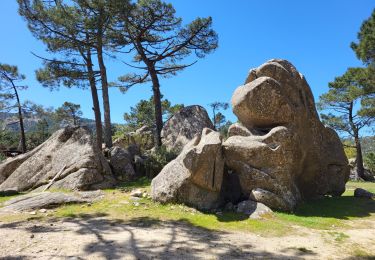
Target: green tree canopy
column 69, row 113
column 160, row 44
column 142, row 113
column 351, row 107
column 365, row 48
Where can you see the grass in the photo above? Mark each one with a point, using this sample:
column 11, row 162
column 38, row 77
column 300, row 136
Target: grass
column 324, row 214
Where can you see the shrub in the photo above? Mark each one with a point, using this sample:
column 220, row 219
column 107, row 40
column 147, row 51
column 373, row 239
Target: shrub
column 157, row 159
column 370, row 161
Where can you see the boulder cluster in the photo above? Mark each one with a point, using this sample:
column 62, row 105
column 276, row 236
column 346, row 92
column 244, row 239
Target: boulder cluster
column 278, row 154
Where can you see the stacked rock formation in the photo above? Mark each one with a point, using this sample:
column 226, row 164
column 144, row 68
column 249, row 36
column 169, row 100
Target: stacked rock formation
column 279, row 154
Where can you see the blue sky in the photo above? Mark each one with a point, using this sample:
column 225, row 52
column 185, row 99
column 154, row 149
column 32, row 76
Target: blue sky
column 314, row 35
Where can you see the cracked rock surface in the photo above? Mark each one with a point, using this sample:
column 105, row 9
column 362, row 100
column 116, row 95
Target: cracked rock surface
column 278, row 154
column 70, row 152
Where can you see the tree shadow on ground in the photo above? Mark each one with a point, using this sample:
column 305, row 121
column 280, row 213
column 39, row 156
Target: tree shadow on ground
column 148, row 238
column 337, row 207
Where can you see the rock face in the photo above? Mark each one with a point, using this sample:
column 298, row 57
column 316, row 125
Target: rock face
column 255, row 210
column 183, row 126
column 46, row 200
column 278, row 154
column 121, row 161
column 195, row 176
column 68, row 155
column 282, row 153
column 362, row 193
column 368, row 175
column 142, row 138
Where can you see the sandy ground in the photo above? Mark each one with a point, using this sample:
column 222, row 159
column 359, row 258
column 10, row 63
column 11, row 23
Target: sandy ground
column 100, row 238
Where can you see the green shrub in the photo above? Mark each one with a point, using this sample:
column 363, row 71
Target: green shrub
column 370, row 161
column 2, row 157
column 157, row 159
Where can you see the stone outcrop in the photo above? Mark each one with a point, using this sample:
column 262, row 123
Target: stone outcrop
column 255, row 210
column 362, row 193
column 195, row 176
column 121, row 161
column 279, row 152
column 142, row 138
column 47, row 200
column 183, row 126
column 68, row 157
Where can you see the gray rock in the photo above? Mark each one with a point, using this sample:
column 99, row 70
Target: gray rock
column 255, row 210
column 121, row 163
column 368, row 175
column 70, row 152
column 183, row 126
column 46, row 200
column 281, row 151
column 137, row 193
column 362, row 193
column 195, row 176
column 143, row 138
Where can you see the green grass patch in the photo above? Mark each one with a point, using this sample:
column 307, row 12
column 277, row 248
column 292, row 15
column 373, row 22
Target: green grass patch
column 338, row 236
column 327, row 213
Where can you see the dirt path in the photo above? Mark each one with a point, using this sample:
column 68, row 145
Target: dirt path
column 99, row 238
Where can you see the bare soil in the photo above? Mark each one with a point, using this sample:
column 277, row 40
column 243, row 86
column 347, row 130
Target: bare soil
column 102, row 238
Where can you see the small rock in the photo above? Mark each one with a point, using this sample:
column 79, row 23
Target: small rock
column 362, row 193
column 32, row 236
column 136, row 193
column 254, row 209
column 32, row 213
column 136, row 204
column 42, row 210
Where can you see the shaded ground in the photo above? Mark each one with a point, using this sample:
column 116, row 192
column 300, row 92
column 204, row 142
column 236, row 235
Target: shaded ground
column 147, row 238
column 117, row 228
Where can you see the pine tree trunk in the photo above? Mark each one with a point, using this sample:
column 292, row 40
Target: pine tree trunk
column 359, row 159
column 106, row 106
column 157, row 105
column 95, row 102
column 20, row 118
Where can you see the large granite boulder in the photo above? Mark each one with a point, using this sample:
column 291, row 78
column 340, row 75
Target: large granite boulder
column 142, row 138
column 47, row 200
column 281, row 151
column 195, row 176
column 183, row 126
column 121, row 161
column 278, row 154
column 69, row 158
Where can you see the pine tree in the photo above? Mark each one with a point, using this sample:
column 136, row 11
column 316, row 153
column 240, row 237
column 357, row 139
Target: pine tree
column 160, row 43
column 9, row 91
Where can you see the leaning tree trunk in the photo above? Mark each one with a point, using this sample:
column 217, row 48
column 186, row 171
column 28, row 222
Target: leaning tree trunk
column 20, row 118
column 359, row 159
column 106, row 106
column 95, row 102
column 157, row 105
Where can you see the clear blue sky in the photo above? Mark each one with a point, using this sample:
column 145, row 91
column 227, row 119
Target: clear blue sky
column 314, row 35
